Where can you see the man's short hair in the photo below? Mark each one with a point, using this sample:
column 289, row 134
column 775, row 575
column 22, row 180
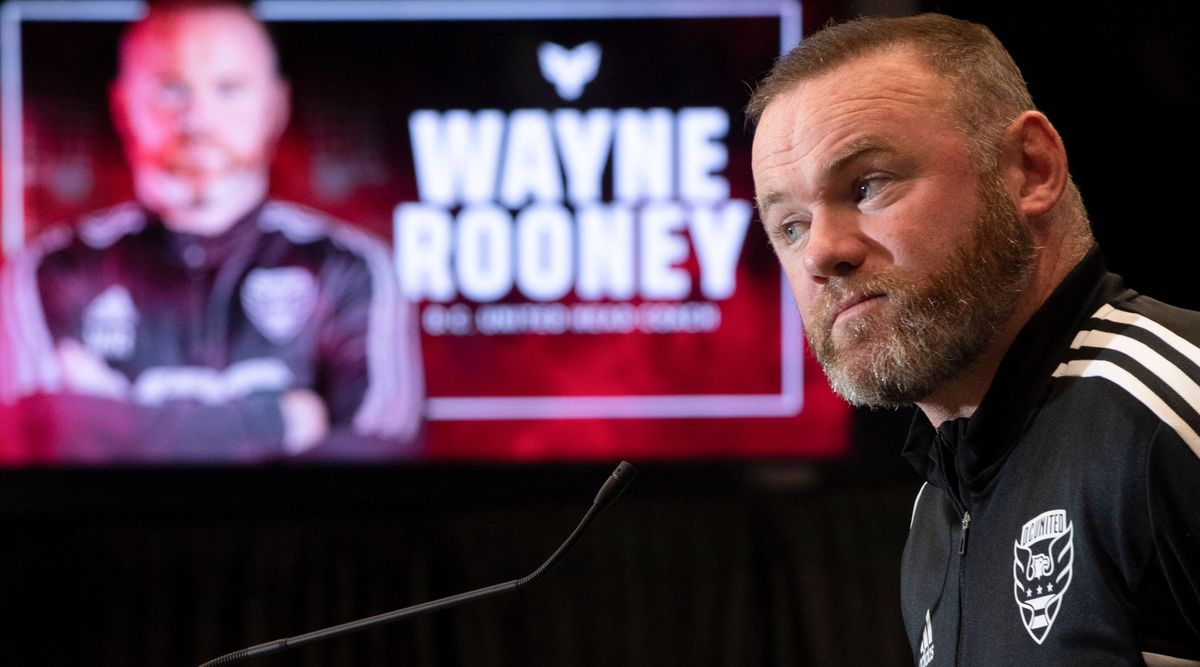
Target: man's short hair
column 158, row 8
column 989, row 91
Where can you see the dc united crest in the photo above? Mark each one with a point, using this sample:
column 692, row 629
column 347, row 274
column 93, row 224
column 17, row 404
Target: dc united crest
column 110, row 324
column 279, row 301
column 1042, row 560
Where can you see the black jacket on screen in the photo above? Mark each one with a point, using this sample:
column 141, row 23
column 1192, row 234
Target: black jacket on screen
column 199, row 337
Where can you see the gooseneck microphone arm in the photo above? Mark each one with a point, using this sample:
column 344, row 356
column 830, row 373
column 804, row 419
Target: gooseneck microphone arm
column 613, row 486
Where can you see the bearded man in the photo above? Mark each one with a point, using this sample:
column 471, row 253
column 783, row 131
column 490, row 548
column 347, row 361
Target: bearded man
column 940, row 255
column 205, row 322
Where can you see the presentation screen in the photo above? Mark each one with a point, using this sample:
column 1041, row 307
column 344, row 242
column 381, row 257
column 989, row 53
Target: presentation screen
column 564, row 193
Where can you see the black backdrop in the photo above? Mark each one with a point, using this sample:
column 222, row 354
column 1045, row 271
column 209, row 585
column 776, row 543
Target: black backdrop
column 700, row 564
column 696, row 565
column 1118, row 79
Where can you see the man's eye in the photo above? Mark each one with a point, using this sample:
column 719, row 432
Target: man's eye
column 865, row 188
column 171, row 94
column 230, row 89
column 791, row 232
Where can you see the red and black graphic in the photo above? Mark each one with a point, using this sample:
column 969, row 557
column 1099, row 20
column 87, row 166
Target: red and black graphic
column 566, row 191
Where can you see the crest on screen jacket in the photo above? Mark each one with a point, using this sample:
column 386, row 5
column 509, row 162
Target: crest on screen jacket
column 279, row 301
column 110, row 324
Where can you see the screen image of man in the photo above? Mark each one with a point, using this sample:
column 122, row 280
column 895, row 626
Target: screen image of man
column 206, row 321
column 940, row 255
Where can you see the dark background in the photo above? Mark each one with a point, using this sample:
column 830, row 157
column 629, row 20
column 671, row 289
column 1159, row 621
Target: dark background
column 718, row 563
column 1119, row 82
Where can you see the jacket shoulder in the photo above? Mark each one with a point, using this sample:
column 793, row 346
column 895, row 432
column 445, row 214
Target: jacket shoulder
column 1145, row 350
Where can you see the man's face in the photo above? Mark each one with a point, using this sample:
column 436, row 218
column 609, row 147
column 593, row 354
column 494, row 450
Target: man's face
column 199, row 107
column 904, row 261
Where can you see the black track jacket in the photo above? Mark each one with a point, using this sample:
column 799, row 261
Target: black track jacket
column 204, row 335
column 1060, row 524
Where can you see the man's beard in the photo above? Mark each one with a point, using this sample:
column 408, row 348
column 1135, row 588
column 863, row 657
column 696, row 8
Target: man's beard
column 206, row 207
column 932, row 325
column 200, row 185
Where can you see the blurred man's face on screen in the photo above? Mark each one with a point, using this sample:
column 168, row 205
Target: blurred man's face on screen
column 199, row 106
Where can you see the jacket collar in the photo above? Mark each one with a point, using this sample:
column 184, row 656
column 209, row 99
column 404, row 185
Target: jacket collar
column 977, row 446
column 199, row 252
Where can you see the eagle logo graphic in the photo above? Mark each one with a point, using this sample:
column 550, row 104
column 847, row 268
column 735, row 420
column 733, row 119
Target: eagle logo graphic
column 569, row 69
column 1043, row 557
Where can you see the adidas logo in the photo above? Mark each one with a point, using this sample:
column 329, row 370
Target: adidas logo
column 926, row 642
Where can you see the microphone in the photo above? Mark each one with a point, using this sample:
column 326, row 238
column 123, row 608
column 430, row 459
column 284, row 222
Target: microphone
column 612, row 489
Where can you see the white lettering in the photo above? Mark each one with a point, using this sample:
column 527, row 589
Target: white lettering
column 456, row 154
column 605, row 253
column 598, row 318
column 642, row 155
column 508, row 318
column 670, row 226
column 530, row 165
column 484, row 245
column 691, row 317
column 544, row 239
column 584, row 139
column 439, row 320
column 422, row 234
column 718, row 236
column 701, row 152
column 662, row 249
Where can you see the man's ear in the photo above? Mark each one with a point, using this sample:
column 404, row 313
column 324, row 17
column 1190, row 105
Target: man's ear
column 1034, row 164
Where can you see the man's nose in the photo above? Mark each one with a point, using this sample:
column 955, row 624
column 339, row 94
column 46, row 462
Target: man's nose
column 835, row 246
column 196, row 115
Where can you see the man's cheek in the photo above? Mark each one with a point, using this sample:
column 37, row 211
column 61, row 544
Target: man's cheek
column 150, row 136
column 251, row 139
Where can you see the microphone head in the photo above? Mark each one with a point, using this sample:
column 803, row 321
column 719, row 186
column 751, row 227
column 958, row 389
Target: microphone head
column 615, row 485
column 625, row 471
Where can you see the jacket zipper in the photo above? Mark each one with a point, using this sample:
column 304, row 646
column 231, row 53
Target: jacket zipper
column 952, row 491
column 962, row 538
column 962, row 581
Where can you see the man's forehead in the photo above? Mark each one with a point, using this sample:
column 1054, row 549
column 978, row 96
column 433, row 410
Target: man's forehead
column 222, row 33
column 894, row 85
column 886, row 102
column 894, row 74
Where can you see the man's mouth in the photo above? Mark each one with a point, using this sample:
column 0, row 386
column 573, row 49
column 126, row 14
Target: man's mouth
column 855, row 306
column 201, row 158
